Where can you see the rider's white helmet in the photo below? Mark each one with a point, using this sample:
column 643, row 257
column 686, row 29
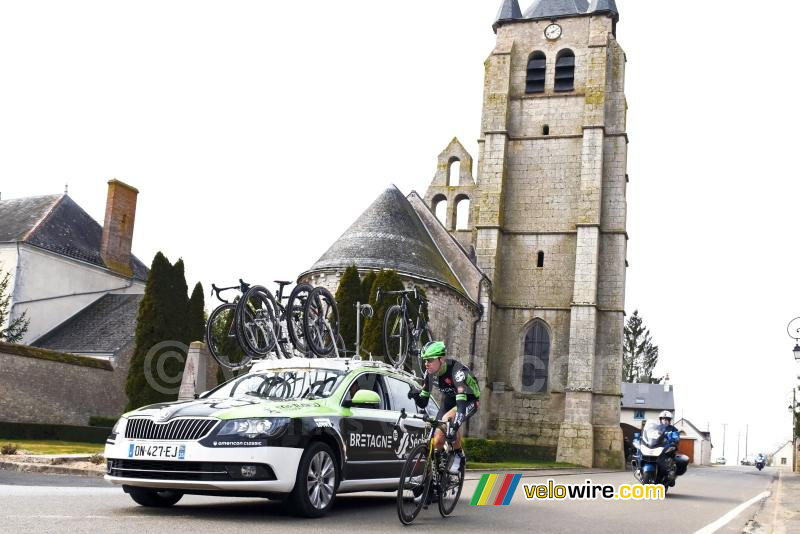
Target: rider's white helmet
column 666, row 414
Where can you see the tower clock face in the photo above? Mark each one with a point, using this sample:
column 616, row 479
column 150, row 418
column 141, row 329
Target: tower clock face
column 552, row 32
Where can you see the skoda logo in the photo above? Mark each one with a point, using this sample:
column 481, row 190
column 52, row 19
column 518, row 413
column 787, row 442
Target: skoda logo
column 163, row 414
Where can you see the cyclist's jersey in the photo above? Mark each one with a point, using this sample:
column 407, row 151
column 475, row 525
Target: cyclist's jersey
column 454, row 380
column 459, row 387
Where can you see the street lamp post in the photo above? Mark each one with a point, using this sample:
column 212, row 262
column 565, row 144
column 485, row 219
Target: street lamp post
column 793, row 329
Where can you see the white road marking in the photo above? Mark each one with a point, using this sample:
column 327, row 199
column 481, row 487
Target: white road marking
column 727, row 518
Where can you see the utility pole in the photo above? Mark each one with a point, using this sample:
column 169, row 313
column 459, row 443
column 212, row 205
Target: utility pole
column 723, row 439
column 746, row 430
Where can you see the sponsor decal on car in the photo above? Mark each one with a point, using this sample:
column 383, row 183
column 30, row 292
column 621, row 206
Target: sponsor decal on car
column 323, row 422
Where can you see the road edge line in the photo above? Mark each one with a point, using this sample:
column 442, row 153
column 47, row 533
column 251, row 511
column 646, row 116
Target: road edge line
column 727, row 518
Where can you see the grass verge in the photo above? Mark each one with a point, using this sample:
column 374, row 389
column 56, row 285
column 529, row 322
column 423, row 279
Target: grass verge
column 54, row 447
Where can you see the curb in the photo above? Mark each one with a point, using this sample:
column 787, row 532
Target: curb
column 52, row 469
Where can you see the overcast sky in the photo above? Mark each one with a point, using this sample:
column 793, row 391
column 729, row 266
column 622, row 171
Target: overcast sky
column 256, row 132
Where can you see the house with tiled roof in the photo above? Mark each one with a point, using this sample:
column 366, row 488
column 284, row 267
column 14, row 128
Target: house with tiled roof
column 77, row 281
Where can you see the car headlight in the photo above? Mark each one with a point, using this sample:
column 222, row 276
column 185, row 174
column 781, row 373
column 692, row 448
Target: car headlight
column 119, row 425
column 253, row 428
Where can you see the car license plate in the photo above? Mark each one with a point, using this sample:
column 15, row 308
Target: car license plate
column 157, row 450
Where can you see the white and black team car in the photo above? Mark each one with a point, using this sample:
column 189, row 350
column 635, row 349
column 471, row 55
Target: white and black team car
column 300, row 430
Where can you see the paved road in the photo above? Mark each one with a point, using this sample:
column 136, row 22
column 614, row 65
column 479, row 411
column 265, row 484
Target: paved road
column 58, row 503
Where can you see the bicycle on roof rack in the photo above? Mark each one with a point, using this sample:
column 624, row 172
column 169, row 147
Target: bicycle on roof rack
column 426, row 470
column 402, row 334
column 253, row 325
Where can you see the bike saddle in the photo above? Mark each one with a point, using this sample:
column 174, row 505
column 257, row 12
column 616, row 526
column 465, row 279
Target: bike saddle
column 282, row 282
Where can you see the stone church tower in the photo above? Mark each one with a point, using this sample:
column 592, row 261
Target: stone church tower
column 547, row 225
column 525, row 267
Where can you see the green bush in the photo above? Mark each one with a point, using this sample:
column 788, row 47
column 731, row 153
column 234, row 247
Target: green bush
column 102, row 421
column 488, row 451
column 34, row 431
column 8, row 448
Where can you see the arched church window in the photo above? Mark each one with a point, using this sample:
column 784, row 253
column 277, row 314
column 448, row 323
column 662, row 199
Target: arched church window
column 454, row 172
column 462, row 212
column 565, row 71
column 439, row 206
column 534, row 80
column 535, row 358
column 540, row 259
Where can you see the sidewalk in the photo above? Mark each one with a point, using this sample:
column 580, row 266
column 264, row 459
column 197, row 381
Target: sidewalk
column 63, row 464
column 780, row 513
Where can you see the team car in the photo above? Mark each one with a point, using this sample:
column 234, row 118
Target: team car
column 299, row 430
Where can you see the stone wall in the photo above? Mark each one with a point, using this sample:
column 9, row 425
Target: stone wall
column 42, row 386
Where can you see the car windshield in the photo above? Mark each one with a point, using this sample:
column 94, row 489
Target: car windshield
column 281, row 384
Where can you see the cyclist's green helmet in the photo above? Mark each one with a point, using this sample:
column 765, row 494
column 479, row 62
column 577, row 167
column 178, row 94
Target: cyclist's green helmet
column 433, row 349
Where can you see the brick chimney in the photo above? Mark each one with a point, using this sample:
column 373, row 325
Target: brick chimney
column 115, row 249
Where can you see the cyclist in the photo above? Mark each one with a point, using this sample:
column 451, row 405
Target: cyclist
column 460, row 391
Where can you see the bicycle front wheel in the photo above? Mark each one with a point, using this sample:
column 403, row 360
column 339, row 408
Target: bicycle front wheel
column 223, row 340
column 321, row 321
column 451, row 490
column 395, row 336
column 415, row 482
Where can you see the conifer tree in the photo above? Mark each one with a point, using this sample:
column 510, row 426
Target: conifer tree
column 10, row 331
column 196, row 316
column 366, row 288
column 639, row 354
column 151, row 329
column 348, row 293
column 386, row 280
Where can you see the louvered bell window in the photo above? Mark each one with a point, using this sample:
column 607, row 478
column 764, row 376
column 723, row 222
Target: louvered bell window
column 565, row 71
column 534, row 81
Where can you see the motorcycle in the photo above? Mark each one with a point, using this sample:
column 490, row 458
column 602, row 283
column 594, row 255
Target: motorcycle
column 760, row 462
column 656, row 460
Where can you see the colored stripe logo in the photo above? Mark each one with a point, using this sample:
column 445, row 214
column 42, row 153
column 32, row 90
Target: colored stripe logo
column 495, row 489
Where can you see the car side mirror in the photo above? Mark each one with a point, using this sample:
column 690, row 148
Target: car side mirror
column 366, row 398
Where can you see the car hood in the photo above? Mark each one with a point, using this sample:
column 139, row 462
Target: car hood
column 234, row 408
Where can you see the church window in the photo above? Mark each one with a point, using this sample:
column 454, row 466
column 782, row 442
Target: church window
column 535, row 358
column 462, row 212
column 439, row 205
column 534, row 81
column 540, row 259
column 454, row 172
column 565, row 71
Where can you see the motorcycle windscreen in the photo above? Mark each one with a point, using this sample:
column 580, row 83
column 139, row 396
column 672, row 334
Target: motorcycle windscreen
column 653, row 434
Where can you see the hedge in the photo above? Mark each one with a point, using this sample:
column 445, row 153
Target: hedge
column 488, row 450
column 34, row 431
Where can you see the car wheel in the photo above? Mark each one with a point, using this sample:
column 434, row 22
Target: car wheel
column 153, row 497
column 317, row 479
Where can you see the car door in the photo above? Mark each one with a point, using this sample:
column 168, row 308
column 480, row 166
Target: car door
column 368, row 432
column 398, row 400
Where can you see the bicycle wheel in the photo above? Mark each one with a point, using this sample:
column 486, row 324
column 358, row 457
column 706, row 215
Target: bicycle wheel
column 222, row 338
column 256, row 321
column 321, row 321
column 450, row 489
column 295, row 309
column 415, row 482
column 395, row 336
column 425, row 337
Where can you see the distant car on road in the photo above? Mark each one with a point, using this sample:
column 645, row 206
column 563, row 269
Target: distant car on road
column 721, row 460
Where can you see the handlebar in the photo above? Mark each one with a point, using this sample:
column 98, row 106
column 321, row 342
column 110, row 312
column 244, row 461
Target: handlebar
column 424, row 417
column 381, row 293
column 243, row 287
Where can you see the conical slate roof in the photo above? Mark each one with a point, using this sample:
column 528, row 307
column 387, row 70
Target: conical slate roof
column 543, row 9
column 389, row 235
column 509, row 10
column 605, row 5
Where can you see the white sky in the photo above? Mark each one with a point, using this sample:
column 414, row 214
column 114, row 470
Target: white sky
column 258, row 131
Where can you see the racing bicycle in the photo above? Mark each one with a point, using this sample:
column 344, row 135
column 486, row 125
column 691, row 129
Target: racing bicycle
column 427, row 469
column 403, row 334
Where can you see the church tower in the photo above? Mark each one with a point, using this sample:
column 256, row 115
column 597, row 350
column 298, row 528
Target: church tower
column 547, row 220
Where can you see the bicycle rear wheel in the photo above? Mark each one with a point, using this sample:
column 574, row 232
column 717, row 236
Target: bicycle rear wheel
column 321, row 321
column 451, row 490
column 256, row 321
column 415, row 482
column 223, row 340
column 295, row 310
column 395, row 336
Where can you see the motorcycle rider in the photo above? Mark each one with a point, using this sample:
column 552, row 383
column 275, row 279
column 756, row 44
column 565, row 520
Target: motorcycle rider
column 681, row 460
